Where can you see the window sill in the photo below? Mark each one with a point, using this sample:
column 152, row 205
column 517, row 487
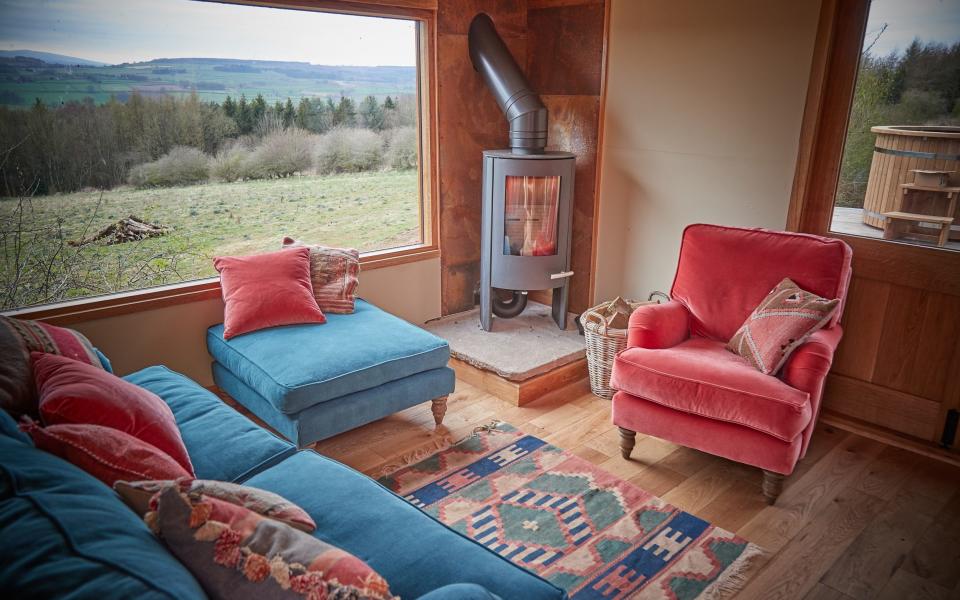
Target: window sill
column 99, row 307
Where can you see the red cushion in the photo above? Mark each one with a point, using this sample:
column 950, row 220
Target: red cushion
column 701, row 377
column 725, row 272
column 267, row 290
column 72, row 392
column 107, row 454
column 716, row 437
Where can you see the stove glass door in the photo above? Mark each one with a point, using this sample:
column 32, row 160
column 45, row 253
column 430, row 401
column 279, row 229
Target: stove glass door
column 531, row 210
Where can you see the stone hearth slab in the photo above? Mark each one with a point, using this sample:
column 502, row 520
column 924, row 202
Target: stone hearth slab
column 517, row 349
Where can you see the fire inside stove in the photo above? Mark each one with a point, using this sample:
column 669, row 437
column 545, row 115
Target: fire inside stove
column 531, row 211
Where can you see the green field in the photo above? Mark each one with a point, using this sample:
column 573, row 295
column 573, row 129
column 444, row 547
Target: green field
column 367, row 211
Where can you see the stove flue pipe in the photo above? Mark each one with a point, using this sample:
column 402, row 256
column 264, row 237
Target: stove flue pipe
column 522, row 107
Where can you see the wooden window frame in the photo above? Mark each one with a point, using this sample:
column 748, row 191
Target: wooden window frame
column 421, row 11
column 833, row 76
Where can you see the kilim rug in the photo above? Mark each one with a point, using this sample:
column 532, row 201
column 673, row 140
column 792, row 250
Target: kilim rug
column 579, row 527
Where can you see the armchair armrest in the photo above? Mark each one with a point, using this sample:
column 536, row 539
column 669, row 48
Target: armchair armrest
column 807, row 367
column 657, row 326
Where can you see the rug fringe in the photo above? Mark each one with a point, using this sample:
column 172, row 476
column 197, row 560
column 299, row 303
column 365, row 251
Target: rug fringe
column 737, row 575
column 437, row 444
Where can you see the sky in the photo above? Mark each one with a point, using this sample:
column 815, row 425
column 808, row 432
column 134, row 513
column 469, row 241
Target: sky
column 929, row 20
column 115, row 31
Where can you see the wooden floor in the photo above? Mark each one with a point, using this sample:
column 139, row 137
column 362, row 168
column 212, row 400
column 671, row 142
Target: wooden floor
column 857, row 519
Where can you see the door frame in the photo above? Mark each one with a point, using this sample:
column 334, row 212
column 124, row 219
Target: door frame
column 830, row 92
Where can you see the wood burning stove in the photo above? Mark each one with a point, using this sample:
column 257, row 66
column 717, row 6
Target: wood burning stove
column 527, row 193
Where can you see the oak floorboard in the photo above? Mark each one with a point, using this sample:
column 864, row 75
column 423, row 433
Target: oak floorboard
column 796, row 569
column 857, row 518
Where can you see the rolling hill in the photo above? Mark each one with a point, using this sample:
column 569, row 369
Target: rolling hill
column 26, row 76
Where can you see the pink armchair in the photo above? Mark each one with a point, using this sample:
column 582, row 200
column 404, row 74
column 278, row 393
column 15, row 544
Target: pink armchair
column 676, row 381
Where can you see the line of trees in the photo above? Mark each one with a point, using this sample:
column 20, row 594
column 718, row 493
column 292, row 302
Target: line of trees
column 921, row 86
column 81, row 145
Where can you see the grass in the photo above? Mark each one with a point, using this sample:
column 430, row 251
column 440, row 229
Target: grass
column 368, row 211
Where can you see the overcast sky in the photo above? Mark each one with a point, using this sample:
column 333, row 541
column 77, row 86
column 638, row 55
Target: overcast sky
column 115, row 31
column 929, row 20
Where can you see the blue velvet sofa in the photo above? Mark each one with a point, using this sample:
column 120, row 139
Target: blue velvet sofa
column 311, row 382
column 65, row 534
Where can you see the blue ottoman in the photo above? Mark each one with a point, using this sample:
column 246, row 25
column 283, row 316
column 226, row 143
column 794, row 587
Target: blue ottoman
column 310, row 382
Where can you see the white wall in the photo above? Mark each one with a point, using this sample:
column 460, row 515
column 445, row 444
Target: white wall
column 703, row 112
column 175, row 335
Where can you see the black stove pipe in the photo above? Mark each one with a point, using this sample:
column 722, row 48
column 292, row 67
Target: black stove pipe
column 522, row 107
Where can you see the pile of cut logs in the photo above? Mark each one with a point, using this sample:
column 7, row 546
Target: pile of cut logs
column 129, row 229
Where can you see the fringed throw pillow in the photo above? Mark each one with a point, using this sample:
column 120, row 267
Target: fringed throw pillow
column 236, row 553
column 335, row 275
column 782, row 322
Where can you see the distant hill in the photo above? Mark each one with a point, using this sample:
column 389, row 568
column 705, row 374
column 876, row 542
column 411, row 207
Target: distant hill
column 51, row 58
column 33, row 75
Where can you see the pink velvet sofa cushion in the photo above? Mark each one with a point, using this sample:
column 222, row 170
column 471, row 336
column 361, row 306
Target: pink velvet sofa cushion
column 700, row 377
column 716, row 437
column 725, row 272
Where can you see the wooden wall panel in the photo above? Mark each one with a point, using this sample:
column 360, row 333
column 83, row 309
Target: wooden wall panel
column 560, row 43
column 913, row 416
column 862, row 327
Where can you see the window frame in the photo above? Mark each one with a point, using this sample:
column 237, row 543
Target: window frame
column 833, row 76
column 149, row 298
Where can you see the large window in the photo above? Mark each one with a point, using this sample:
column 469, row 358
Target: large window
column 900, row 176
column 140, row 139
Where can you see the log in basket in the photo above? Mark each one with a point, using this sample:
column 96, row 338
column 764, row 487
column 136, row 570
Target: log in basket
column 605, row 330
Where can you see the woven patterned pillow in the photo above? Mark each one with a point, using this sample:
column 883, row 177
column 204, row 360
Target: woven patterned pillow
column 783, row 321
column 236, row 553
column 137, row 495
column 18, row 338
column 335, row 275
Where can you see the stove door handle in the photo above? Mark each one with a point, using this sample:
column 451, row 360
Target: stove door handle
column 561, row 275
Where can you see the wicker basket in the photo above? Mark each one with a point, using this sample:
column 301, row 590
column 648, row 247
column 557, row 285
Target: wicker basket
column 603, row 343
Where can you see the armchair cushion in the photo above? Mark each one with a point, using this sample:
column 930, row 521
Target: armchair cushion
column 658, row 325
column 699, row 376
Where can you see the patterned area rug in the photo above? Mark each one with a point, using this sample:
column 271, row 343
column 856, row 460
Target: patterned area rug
column 579, row 527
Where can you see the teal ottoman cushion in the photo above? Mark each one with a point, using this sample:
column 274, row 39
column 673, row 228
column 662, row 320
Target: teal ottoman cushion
column 65, row 534
column 298, row 366
column 222, row 443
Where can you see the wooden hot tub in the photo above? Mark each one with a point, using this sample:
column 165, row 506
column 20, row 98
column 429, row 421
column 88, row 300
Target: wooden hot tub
column 899, row 149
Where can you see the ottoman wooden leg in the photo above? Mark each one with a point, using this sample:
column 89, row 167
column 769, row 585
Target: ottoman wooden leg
column 628, row 439
column 439, row 409
column 772, row 485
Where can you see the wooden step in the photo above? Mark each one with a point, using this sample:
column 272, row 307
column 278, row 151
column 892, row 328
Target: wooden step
column 898, row 225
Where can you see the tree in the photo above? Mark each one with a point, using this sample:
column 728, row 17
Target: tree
column 289, row 114
column 371, row 115
column 258, row 108
column 244, row 117
column 304, row 111
column 229, row 107
column 388, row 104
column 345, row 113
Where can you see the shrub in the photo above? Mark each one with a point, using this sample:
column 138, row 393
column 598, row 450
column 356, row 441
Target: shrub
column 348, row 150
column 181, row 166
column 231, row 164
column 401, row 152
column 281, row 154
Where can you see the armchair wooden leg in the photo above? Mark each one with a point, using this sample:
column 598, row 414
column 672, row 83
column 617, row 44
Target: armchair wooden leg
column 772, row 485
column 439, row 409
column 628, row 440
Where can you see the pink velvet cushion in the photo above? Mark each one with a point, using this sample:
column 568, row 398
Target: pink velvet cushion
column 728, row 440
column 107, row 454
column 724, row 272
column 267, row 290
column 699, row 376
column 781, row 323
column 72, row 392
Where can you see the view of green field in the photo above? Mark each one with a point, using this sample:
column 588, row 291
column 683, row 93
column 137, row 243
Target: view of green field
column 372, row 210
